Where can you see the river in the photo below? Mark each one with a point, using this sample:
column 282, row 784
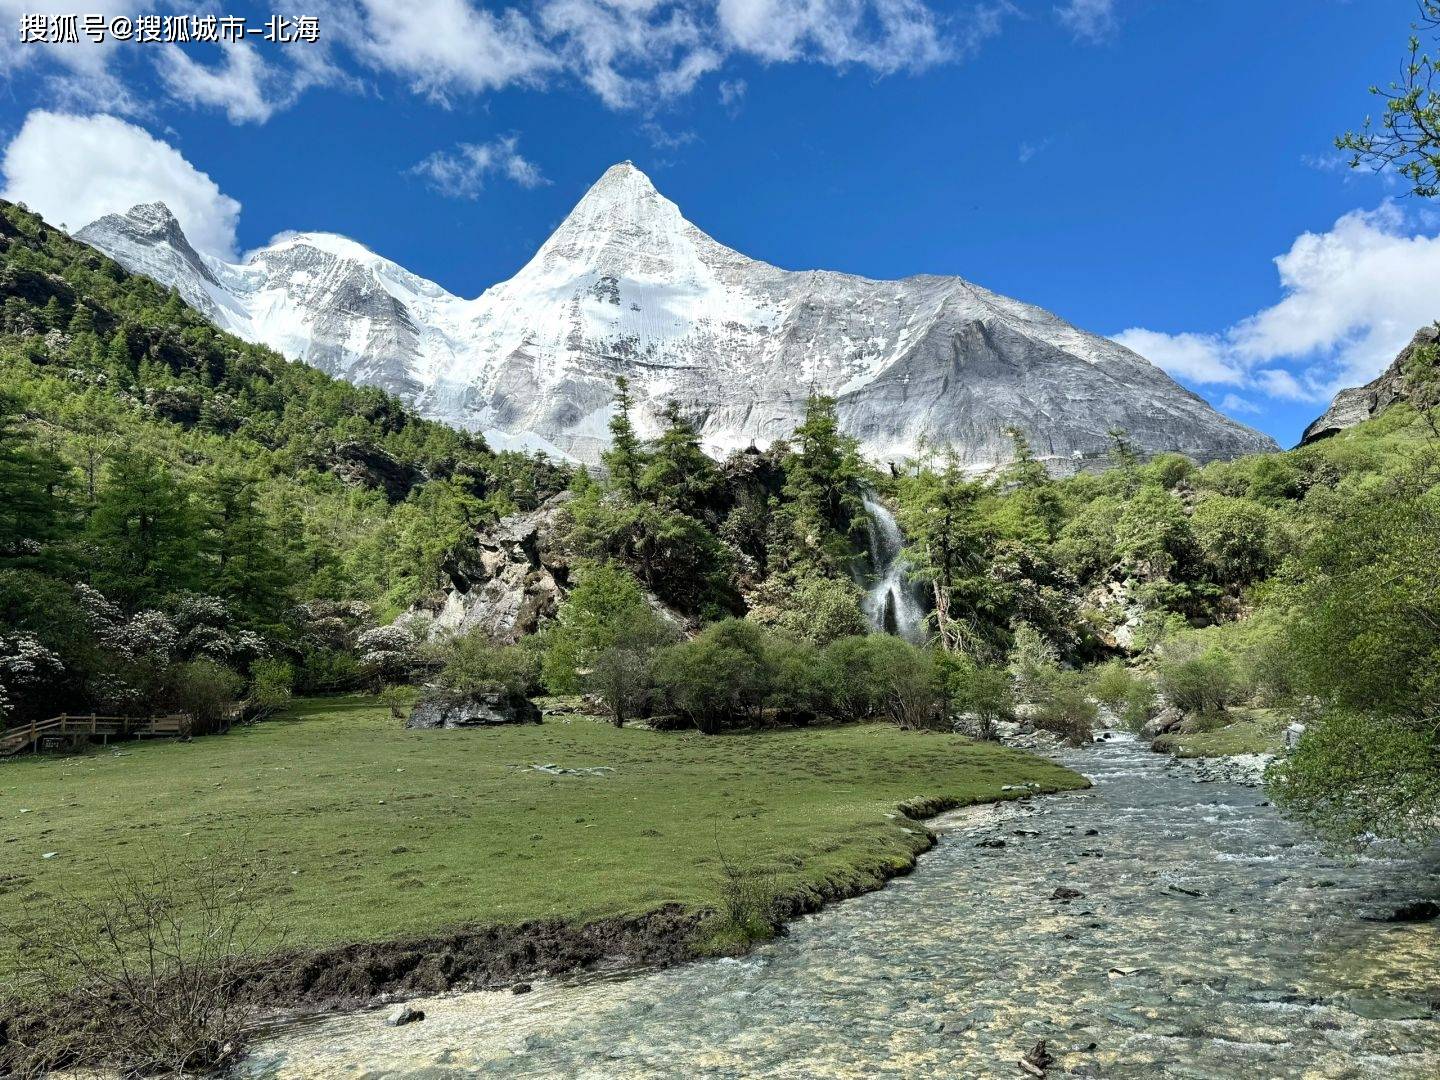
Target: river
column 1212, row 940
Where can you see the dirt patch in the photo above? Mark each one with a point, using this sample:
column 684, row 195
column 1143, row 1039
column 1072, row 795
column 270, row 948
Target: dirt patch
column 479, row 958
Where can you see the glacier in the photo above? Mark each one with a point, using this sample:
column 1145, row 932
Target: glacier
column 627, row 286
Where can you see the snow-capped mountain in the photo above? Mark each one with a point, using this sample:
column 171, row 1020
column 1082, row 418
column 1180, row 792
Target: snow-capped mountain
column 627, row 286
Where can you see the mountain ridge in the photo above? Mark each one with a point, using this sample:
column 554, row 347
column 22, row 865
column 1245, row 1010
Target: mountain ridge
column 626, row 285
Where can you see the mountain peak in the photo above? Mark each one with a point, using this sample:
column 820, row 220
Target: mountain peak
column 621, row 225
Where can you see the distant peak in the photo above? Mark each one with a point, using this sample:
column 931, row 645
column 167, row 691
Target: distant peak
column 152, row 221
column 150, row 211
column 623, row 174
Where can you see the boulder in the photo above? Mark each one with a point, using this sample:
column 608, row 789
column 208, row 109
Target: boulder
column 402, row 1015
column 473, row 710
column 1167, row 719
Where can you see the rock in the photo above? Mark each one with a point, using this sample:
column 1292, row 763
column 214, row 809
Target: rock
column 402, row 1015
column 995, row 843
column 1064, row 892
column 1413, row 912
column 1037, row 1061
column 521, row 988
column 1167, row 719
column 511, row 586
column 1361, row 403
column 475, row 710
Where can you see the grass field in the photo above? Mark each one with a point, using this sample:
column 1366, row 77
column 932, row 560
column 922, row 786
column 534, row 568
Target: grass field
column 369, row 832
column 1251, row 731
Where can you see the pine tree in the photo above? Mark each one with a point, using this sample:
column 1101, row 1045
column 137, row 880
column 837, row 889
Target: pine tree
column 32, row 487
column 824, row 481
column 250, row 556
column 142, row 531
column 680, row 476
column 624, row 459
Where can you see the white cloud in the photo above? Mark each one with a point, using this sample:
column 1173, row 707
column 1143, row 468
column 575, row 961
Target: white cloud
column 630, row 53
column 461, row 173
column 74, row 169
column 236, row 84
column 81, row 75
column 1029, row 150
column 886, row 35
column 1198, row 357
column 732, row 93
column 444, row 46
column 1234, row 403
column 1353, row 297
column 1089, row 20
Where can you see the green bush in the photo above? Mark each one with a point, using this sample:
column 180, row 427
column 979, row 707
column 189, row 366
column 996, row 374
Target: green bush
column 1198, row 681
column 1034, row 663
column 208, row 691
column 724, row 676
column 472, row 664
column 974, row 690
column 1241, row 539
column 1065, row 708
column 271, row 683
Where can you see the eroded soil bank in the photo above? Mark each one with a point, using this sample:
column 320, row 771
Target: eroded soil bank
column 1208, row 939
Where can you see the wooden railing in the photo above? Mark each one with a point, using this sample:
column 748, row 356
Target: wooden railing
column 15, row 739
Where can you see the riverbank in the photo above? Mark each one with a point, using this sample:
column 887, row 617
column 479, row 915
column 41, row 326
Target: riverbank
column 416, row 861
column 1145, row 928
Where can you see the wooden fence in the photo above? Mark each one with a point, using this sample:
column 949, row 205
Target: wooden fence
column 15, row 739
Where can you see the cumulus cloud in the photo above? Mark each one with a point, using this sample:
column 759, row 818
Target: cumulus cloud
column 1199, row 358
column 1089, row 20
column 80, row 75
column 73, row 169
column 461, row 173
column 1353, row 297
column 1234, row 403
column 630, row 53
column 886, row 35
column 444, row 46
column 246, row 87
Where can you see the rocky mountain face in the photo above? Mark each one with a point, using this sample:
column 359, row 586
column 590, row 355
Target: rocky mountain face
column 627, row 286
column 1361, row 403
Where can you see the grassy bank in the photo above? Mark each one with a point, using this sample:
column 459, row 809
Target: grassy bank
column 1250, row 731
column 370, row 832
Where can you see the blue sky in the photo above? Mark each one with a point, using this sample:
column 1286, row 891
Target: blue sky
column 1136, row 166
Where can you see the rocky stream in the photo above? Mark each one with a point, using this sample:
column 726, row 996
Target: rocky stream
column 1154, row 926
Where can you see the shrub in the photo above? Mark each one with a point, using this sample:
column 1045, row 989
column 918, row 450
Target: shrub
column 1138, row 706
column 1110, row 683
column 908, row 682
column 1065, row 708
column 207, row 690
column 605, row 639
column 328, row 671
column 141, row 977
column 1198, row 682
column 971, row 689
column 1240, row 538
column 810, row 607
column 725, row 674
column 271, row 682
column 747, row 901
column 472, row 664
column 1034, row 663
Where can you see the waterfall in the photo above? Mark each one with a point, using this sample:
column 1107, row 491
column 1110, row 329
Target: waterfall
column 891, row 601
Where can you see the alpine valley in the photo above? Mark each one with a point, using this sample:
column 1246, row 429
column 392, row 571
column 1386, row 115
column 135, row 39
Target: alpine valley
column 626, row 286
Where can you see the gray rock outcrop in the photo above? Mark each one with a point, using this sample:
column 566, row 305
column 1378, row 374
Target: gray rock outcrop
column 448, row 711
column 1361, row 403
column 511, row 585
